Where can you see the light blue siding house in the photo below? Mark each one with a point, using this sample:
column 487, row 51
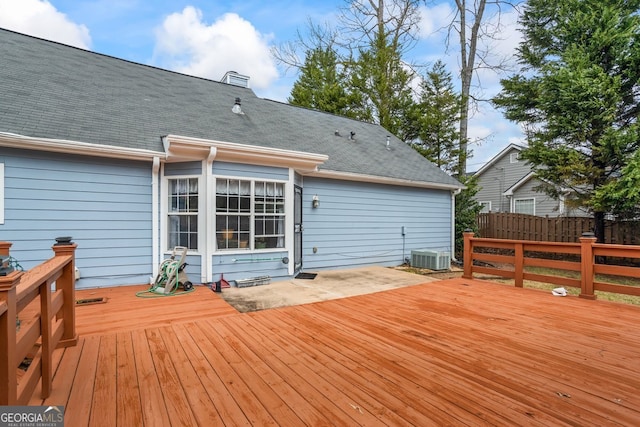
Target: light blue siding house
column 132, row 160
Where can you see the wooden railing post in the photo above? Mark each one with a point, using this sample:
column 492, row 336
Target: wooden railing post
column 4, row 248
column 586, row 266
column 518, row 264
column 467, row 258
column 8, row 362
column 66, row 282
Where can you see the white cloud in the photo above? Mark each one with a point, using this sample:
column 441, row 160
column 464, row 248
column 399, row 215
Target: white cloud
column 186, row 44
column 433, row 20
column 40, row 19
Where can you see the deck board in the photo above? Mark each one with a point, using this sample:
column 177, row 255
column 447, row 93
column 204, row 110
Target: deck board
column 454, row 352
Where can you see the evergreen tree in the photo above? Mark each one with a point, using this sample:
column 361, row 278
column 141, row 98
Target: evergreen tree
column 380, row 76
column 437, row 117
column 578, row 96
column 322, row 86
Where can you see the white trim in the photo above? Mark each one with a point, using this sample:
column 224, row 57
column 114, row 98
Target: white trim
column 485, row 203
column 155, row 213
column 509, row 192
column 164, row 231
column 289, row 220
column 206, row 269
column 13, row 140
column 454, row 193
column 181, row 148
column 1, row 193
column 349, row 176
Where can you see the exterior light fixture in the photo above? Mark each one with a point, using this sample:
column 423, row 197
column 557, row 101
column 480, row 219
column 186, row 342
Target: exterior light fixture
column 236, row 107
column 315, row 202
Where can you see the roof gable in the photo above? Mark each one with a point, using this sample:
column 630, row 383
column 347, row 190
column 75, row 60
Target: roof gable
column 495, row 159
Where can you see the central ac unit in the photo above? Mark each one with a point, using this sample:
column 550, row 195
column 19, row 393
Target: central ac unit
column 432, row 260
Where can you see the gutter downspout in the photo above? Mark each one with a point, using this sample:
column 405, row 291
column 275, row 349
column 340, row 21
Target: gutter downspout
column 454, row 193
column 155, row 232
column 207, row 271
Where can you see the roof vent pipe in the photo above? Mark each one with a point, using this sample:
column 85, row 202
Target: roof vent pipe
column 352, row 135
column 236, row 107
column 388, row 148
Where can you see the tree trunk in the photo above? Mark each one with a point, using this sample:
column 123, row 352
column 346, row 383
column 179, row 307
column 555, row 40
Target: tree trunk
column 598, row 226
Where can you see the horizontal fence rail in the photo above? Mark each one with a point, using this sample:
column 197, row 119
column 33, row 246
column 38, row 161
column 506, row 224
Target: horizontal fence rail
column 590, row 265
column 503, row 225
column 34, row 320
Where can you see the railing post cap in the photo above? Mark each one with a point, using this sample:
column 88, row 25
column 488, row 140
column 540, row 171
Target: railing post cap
column 63, row 241
column 588, row 234
column 11, row 280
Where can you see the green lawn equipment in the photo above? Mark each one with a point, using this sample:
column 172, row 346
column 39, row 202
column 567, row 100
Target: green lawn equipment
column 171, row 276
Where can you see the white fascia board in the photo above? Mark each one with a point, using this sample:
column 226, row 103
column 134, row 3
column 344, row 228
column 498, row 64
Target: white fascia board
column 13, row 140
column 181, row 148
column 348, row 176
column 518, row 184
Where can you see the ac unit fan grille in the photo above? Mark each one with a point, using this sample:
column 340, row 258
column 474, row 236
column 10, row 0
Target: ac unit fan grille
column 430, row 259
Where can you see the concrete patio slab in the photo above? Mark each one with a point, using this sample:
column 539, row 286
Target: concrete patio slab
column 327, row 285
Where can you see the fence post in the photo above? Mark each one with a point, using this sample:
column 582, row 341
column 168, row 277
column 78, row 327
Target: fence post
column 66, row 282
column 586, row 266
column 8, row 362
column 467, row 259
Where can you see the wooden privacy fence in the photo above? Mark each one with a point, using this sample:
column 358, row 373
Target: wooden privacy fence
column 34, row 320
column 480, row 253
column 502, row 225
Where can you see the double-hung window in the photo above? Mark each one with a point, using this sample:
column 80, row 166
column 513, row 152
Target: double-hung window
column 525, row 206
column 183, row 213
column 249, row 214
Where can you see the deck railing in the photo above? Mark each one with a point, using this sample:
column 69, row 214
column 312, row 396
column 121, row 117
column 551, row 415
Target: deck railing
column 34, row 320
column 582, row 259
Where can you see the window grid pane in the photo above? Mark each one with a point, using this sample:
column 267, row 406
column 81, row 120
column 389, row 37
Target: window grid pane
column 183, row 213
column 238, row 209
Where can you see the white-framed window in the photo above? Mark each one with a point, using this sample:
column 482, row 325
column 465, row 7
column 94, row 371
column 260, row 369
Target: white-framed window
column 514, row 157
column 183, row 206
column 250, row 214
column 486, row 207
column 525, row 206
column 1, row 193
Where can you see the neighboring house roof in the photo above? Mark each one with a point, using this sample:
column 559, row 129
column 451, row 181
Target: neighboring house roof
column 527, row 178
column 497, row 158
column 57, row 94
column 519, row 183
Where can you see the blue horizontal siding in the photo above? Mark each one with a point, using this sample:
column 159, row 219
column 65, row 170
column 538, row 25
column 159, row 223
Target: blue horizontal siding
column 183, row 168
column 361, row 224
column 104, row 204
column 250, row 171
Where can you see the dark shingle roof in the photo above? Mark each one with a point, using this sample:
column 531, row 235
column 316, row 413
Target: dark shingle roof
column 50, row 90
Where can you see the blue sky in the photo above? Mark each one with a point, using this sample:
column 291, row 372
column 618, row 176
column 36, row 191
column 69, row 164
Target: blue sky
column 208, row 38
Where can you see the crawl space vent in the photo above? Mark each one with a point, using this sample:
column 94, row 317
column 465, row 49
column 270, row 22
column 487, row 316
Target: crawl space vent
column 433, row 260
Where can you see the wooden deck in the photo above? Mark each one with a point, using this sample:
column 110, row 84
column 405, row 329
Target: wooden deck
column 454, row 352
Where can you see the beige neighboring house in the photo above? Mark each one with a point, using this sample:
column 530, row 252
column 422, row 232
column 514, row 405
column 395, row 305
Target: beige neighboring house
column 508, row 184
